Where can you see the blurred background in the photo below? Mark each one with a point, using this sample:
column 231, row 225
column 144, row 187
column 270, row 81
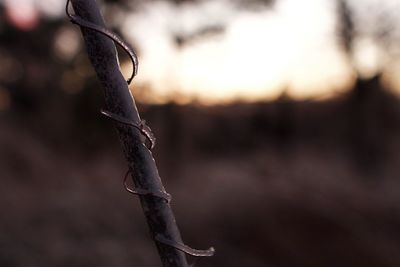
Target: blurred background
column 277, row 123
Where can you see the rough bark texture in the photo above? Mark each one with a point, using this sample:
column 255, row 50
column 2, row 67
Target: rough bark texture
column 103, row 56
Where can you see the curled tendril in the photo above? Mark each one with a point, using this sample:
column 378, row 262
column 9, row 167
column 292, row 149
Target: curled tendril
column 141, row 191
column 87, row 24
column 142, row 127
column 182, row 247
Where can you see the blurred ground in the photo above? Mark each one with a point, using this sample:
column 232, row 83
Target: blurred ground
column 269, row 184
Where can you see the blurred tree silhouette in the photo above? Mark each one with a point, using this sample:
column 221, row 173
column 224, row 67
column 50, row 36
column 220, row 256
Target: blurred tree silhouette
column 377, row 22
column 369, row 101
column 345, row 27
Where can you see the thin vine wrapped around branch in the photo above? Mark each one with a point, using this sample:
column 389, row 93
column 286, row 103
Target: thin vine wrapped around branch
column 121, row 108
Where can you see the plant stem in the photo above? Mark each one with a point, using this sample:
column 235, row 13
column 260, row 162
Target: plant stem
column 118, row 100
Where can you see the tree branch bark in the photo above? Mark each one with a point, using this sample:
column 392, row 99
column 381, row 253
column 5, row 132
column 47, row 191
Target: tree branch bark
column 102, row 54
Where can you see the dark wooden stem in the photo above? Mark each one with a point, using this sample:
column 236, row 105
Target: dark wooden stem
column 103, row 56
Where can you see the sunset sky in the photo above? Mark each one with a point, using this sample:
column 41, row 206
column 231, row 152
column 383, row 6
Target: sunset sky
column 226, row 51
column 259, row 54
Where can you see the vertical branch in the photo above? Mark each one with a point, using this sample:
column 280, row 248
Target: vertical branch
column 346, row 28
column 160, row 218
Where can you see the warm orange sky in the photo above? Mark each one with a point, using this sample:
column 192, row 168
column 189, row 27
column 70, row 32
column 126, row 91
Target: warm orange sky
column 255, row 54
column 261, row 54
